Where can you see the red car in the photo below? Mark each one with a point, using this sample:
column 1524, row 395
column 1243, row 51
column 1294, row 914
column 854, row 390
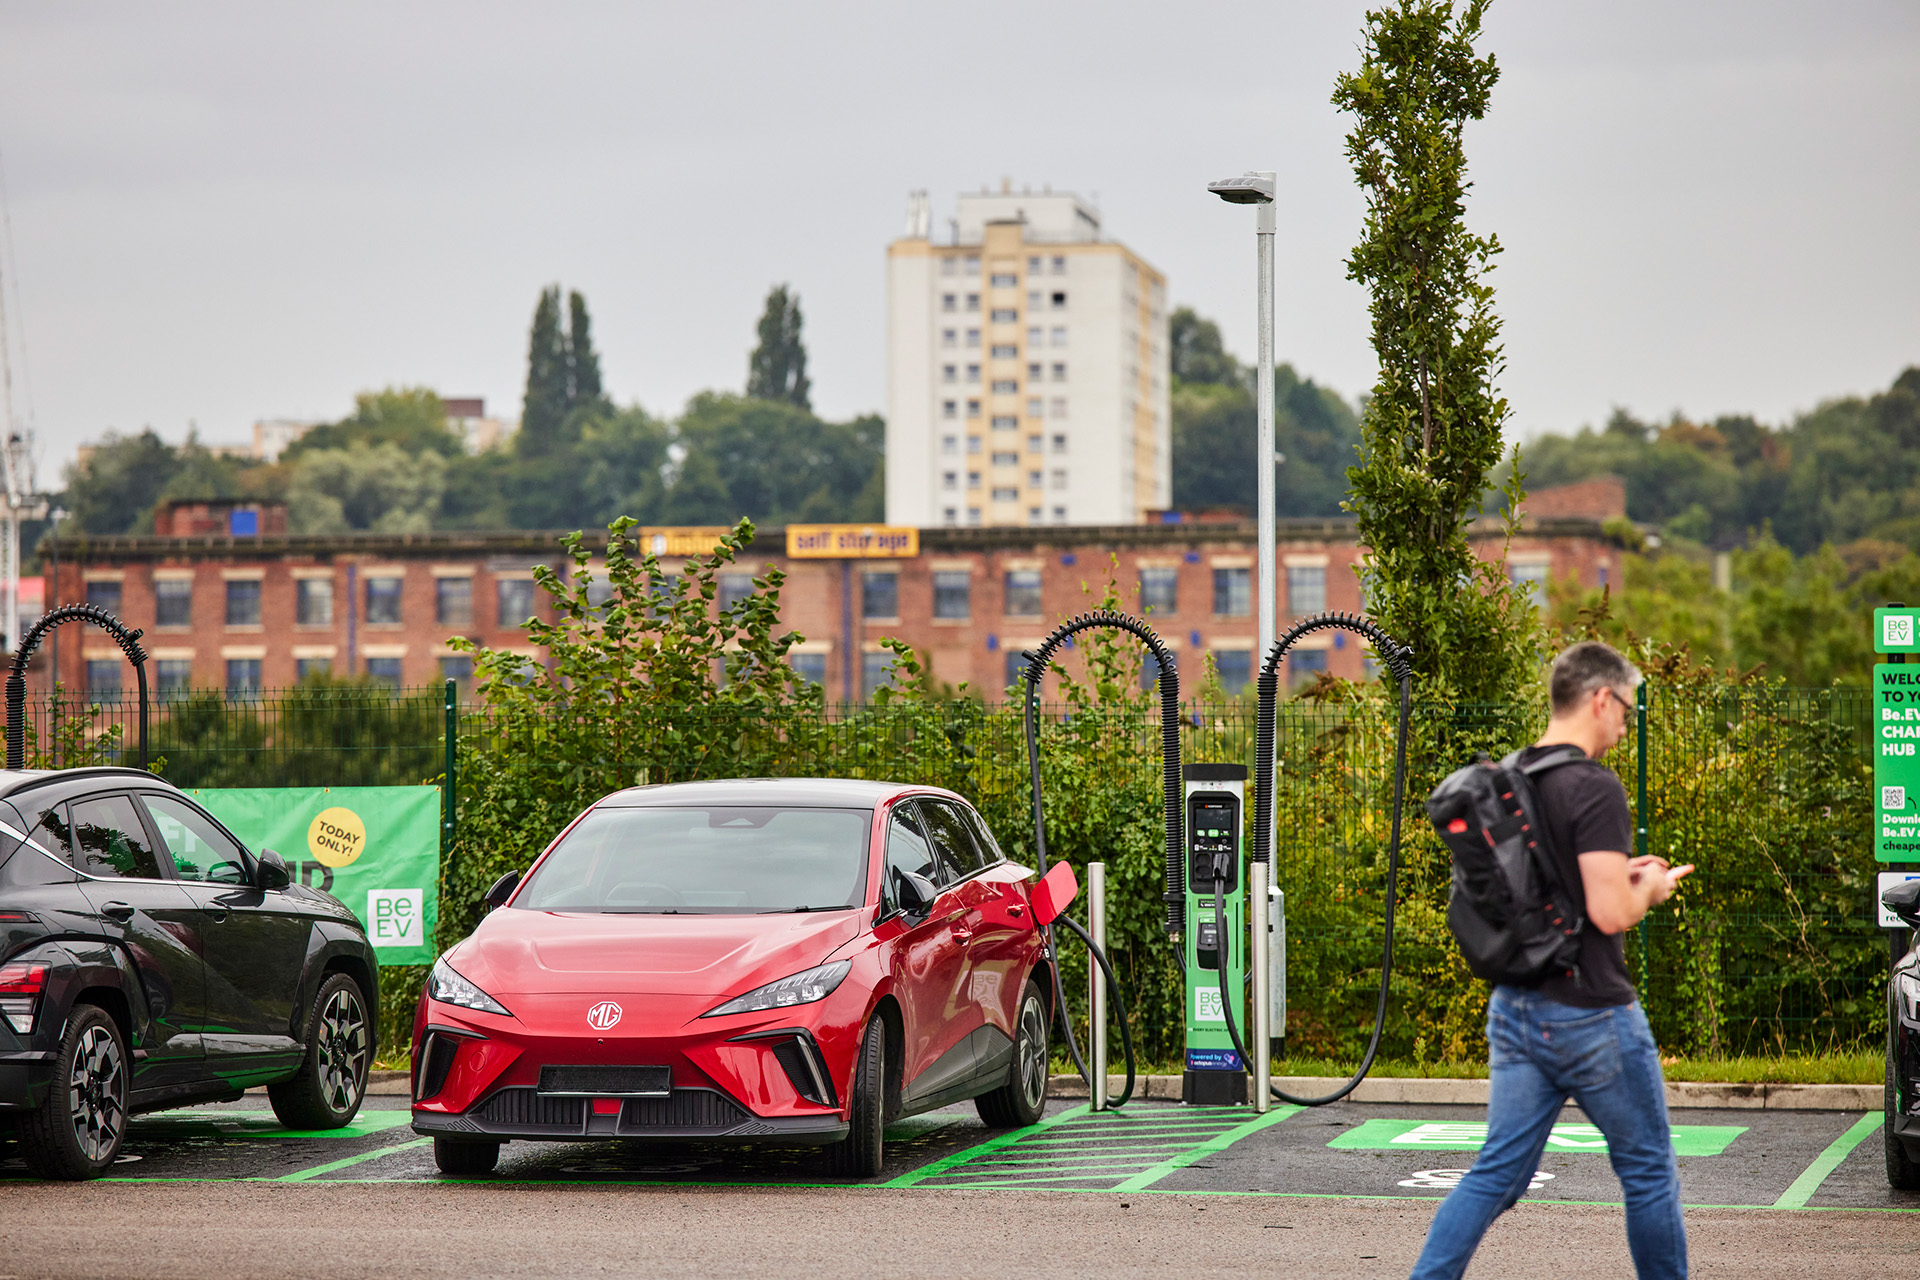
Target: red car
column 770, row 961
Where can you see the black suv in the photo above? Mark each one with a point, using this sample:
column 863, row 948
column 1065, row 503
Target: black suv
column 148, row 960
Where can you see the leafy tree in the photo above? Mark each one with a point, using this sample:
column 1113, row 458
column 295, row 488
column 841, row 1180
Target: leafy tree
column 1197, row 354
column 1214, row 434
column 563, row 377
column 1848, row 470
column 777, row 369
column 379, row 489
column 412, row 419
column 773, row 462
column 1432, row 426
column 583, row 364
column 547, row 400
column 115, row 489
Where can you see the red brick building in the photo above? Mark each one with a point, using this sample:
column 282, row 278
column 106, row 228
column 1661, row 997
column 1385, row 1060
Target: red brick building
column 221, row 610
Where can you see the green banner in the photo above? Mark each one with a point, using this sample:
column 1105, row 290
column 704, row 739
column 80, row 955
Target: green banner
column 377, row 849
column 1896, row 762
column 1380, row 1134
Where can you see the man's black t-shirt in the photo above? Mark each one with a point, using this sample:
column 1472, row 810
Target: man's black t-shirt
column 1585, row 810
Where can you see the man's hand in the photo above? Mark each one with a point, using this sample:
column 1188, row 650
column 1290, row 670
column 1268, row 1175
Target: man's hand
column 1653, row 873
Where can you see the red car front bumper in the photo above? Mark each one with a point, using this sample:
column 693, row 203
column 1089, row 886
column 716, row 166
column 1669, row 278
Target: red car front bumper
column 662, row 1072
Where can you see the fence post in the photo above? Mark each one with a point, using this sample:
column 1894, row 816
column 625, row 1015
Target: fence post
column 448, row 791
column 1641, row 819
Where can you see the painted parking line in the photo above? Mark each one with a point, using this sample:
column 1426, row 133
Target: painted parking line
column 163, row 1126
column 331, row 1166
column 1082, row 1150
column 1382, row 1134
column 1797, row 1195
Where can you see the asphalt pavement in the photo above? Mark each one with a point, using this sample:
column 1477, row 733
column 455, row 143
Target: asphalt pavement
column 1154, row 1189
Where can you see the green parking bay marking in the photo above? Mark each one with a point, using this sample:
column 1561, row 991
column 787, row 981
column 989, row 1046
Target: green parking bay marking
column 194, row 1123
column 1416, row 1135
column 1082, row 1150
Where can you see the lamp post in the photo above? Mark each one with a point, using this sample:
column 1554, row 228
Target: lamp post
column 1257, row 188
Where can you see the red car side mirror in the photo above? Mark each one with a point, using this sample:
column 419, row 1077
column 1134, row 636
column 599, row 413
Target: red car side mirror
column 1052, row 895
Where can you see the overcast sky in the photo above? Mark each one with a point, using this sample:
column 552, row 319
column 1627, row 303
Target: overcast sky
column 229, row 212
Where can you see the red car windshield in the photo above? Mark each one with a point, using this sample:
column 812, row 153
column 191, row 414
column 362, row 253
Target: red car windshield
column 717, row 860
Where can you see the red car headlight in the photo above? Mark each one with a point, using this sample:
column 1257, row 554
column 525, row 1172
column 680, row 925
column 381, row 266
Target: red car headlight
column 804, row 987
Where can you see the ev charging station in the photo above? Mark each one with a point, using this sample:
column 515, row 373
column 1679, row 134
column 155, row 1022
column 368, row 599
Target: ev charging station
column 1215, row 804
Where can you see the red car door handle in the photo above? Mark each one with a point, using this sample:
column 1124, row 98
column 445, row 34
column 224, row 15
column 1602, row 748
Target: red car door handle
column 1016, row 910
column 963, row 935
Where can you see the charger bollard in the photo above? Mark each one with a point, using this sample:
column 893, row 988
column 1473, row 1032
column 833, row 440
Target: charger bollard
column 1215, row 941
column 1096, row 985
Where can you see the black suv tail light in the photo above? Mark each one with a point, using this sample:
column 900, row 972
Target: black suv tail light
column 20, row 988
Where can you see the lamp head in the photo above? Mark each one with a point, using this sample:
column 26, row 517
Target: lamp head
column 1249, row 188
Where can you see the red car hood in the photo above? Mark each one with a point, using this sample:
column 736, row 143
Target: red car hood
column 516, row 952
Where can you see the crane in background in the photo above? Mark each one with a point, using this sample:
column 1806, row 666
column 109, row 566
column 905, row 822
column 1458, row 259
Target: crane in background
column 22, row 499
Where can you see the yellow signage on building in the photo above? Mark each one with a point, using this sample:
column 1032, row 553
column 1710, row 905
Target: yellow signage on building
column 851, row 541
column 686, row 540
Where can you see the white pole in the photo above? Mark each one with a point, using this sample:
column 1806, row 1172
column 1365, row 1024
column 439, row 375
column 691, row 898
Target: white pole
column 1097, row 1004
column 1258, row 873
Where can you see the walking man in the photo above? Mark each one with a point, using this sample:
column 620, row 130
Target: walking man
column 1581, row 1036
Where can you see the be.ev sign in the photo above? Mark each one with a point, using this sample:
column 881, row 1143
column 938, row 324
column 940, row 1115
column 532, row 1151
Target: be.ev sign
column 1896, row 739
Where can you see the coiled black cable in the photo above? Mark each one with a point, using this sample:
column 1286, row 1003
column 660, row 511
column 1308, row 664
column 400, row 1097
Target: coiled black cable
column 1038, row 660
column 1399, row 661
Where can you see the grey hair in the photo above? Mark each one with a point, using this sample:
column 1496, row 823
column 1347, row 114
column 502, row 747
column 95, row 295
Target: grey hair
column 1587, row 666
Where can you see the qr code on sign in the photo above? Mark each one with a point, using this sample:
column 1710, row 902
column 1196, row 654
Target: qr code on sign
column 1893, row 798
column 1896, row 629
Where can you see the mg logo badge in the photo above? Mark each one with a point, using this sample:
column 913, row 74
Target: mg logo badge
column 603, row 1016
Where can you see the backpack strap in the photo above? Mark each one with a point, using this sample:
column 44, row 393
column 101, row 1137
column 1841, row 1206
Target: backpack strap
column 1543, row 847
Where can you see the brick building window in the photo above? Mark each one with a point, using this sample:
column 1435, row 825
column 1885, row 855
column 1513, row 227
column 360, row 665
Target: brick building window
column 243, row 602
column 1023, row 593
column 1232, row 593
column 104, row 595
column 313, row 602
column 811, row 667
column 1306, row 590
column 172, row 676
column 103, row 678
column 875, row 674
column 453, row 602
column 458, row 666
column 243, row 675
column 1017, row 668
column 1235, row 667
column 383, row 603
column 1149, row 672
column 305, row 669
column 513, row 598
column 952, row 593
column 734, row 587
column 173, row 602
column 1160, row 590
column 1304, row 664
column 879, row 594
column 384, row 670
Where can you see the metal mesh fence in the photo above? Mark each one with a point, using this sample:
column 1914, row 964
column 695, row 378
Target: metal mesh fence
column 1770, row 946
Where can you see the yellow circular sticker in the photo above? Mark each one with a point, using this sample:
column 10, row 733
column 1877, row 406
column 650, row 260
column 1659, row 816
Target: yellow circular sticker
column 336, row 837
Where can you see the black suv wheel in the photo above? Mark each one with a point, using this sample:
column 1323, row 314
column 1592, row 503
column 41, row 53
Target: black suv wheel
column 327, row 1090
column 76, row 1131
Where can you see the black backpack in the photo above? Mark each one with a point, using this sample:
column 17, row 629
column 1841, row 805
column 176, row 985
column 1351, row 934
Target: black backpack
column 1514, row 919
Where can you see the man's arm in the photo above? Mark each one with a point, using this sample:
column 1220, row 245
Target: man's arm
column 1621, row 890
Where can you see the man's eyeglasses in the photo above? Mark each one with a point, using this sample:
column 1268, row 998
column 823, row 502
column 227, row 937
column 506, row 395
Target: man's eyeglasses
column 1624, row 704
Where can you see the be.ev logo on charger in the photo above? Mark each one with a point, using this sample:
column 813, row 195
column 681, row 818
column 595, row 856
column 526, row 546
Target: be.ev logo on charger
column 393, row 917
column 1896, row 630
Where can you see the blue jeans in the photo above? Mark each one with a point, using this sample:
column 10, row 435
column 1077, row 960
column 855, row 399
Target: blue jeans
column 1543, row 1053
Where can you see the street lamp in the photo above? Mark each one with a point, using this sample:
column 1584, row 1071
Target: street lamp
column 1257, row 188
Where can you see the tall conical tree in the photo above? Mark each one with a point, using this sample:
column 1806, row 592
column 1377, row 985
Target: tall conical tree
column 583, row 363
column 548, row 394
column 777, row 370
